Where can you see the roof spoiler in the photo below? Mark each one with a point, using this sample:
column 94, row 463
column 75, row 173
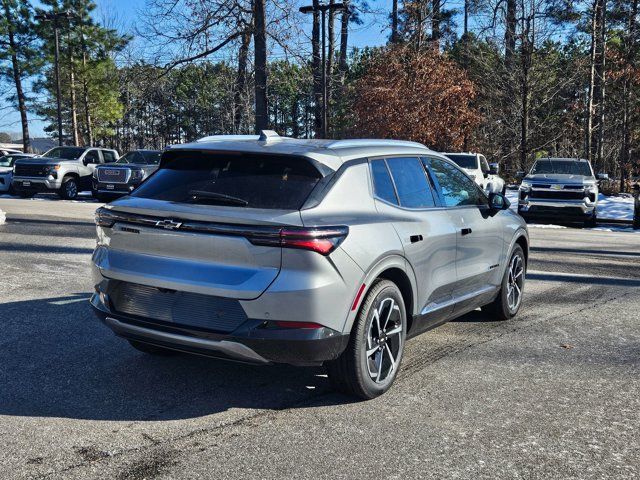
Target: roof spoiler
column 268, row 135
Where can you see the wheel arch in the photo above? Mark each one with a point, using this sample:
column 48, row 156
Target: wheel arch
column 396, row 269
column 523, row 241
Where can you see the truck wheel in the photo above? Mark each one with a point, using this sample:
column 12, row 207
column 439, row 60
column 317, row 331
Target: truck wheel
column 151, row 349
column 69, row 188
column 371, row 361
column 592, row 221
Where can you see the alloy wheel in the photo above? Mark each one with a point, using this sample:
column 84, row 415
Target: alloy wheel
column 71, row 189
column 515, row 282
column 384, row 340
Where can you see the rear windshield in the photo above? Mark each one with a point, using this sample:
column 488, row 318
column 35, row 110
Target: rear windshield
column 464, row 161
column 569, row 167
column 242, row 180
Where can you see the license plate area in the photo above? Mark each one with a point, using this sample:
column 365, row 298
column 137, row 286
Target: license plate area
column 26, row 184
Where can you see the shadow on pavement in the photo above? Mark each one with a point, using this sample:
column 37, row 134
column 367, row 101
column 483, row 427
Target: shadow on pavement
column 31, row 248
column 58, row 360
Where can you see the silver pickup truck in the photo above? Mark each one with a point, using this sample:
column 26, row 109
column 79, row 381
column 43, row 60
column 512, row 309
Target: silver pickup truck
column 561, row 188
column 63, row 170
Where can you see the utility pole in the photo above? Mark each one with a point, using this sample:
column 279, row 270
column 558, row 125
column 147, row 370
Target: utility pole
column 55, row 18
column 323, row 8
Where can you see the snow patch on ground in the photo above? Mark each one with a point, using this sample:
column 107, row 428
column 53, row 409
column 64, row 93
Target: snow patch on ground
column 3, row 217
column 617, row 207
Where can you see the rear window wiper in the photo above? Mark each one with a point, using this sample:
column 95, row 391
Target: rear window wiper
column 213, row 197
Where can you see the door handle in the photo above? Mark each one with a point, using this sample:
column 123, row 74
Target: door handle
column 466, row 231
column 415, row 238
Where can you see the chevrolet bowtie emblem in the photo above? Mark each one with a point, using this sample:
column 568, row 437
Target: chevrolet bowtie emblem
column 168, row 224
column 556, row 187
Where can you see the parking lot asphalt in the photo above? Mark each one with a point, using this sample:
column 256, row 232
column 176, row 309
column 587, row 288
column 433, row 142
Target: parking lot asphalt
column 553, row 393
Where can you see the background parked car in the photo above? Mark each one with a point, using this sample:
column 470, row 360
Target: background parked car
column 6, row 170
column 477, row 167
column 122, row 177
column 9, row 151
column 63, row 170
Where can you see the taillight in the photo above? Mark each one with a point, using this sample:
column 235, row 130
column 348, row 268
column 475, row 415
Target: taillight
column 323, row 240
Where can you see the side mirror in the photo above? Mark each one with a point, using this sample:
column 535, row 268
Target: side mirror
column 497, row 201
column 520, row 174
column 494, row 169
column 603, row 176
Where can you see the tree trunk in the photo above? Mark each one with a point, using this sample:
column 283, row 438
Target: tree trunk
column 435, row 25
column 330, row 51
column 260, row 52
column 344, row 39
column 241, row 80
column 72, row 92
column 510, row 33
column 394, row 22
column 17, row 79
column 600, row 82
column 85, row 93
column 629, row 40
column 316, row 67
column 592, row 83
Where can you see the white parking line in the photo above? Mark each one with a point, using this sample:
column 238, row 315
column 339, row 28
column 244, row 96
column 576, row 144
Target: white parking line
column 559, row 276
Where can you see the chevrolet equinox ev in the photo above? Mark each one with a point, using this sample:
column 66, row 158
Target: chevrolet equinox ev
column 266, row 249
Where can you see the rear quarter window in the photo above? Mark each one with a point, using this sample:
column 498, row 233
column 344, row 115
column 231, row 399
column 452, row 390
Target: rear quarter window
column 238, row 180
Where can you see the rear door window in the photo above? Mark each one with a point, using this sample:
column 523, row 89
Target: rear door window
column 236, row 180
column 411, row 182
column 382, row 183
column 108, row 156
column 92, row 156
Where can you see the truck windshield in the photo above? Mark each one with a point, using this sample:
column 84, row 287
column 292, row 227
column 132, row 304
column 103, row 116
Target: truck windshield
column 67, row 153
column 236, row 180
column 566, row 167
column 464, row 161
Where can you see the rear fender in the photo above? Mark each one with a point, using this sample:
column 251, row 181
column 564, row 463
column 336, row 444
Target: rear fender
column 391, row 261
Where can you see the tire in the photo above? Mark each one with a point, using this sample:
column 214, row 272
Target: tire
column 503, row 308
column 151, row 349
column 354, row 373
column 25, row 194
column 69, row 189
column 101, row 198
column 592, row 221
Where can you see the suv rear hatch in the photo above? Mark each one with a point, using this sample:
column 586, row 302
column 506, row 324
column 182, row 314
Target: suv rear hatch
column 208, row 223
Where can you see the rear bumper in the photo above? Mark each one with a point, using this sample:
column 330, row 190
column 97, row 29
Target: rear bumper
column 252, row 342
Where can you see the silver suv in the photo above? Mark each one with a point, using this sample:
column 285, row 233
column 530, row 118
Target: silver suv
column 308, row 252
column 565, row 189
column 63, row 170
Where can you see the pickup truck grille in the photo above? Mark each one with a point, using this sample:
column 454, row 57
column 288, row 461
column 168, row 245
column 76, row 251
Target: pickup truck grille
column 30, row 170
column 559, row 194
column 113, row 175
column 183, row 308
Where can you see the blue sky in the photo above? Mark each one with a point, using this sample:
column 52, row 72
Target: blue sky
column 374, row 31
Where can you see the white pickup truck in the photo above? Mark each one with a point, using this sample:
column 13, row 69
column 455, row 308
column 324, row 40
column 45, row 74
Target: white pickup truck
column 477, row 167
